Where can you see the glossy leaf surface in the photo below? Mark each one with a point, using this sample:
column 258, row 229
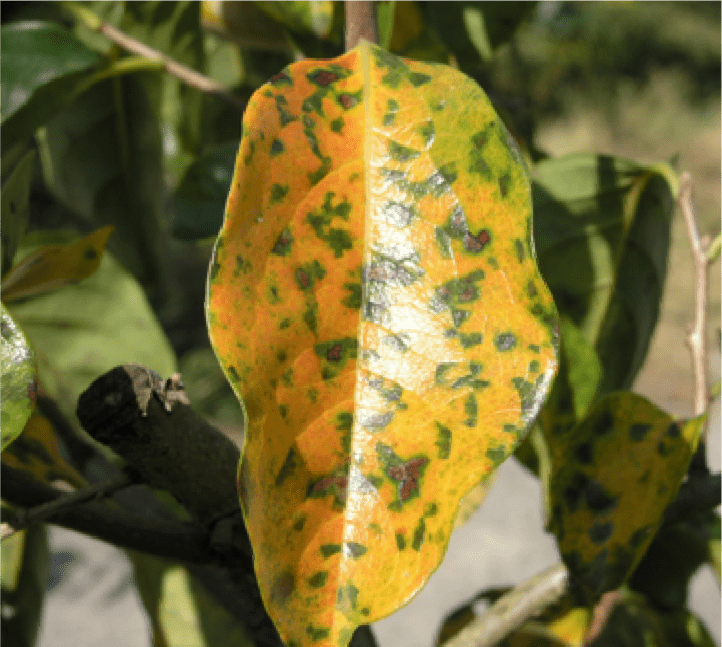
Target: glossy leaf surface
column 613, row 476
column 375, row 302
column 18, row 378
column 54, row 266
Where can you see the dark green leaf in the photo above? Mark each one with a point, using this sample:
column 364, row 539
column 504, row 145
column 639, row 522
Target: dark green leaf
column 102, row 159
column 25, row 568
column 18, row 379
column 674, row 556
column 200, row 198
column 609, row 219
column 385, row 14
column 472, row 30
column 174, row 29
column 635, row 623
column 15, row 194
column 314, row 17
column 83, row 330
column 43, row 67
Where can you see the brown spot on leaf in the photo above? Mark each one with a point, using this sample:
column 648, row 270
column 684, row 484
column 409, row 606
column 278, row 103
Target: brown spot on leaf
column 347, row 101
column 476, row 244
column 282, row 587
column 279, row 78
column 408, row 475
column 334, row 353
column 323, row 77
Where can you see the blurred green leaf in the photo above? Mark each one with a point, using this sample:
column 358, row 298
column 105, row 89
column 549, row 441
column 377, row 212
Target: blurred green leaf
column 83, row 330
column 14, row 214
column 174, row 28
column 54, row 266
column 25, row 568
column 18, row 379
column 635, row 623
column 44, row 66
column 609, row 219
column 613, row 476
column 314, row 17
column 181, row 612
column 385, row 14
column 101, row 158
column 473, row 30
column 412, row 37
column 244, row 23
column 674, row 556
column 200, row 198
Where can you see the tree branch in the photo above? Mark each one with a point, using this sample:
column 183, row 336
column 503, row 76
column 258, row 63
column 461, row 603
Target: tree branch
column 514, row 608
column 182, row 72
column 697, row 339
column 174, row 540
column 360, row 22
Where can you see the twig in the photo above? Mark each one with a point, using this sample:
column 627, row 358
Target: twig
column 511, row 610
column 45, row 511
column 360, row 22
column 170, row 539
column 182, row 72
column 601, row 614
column 697, row 340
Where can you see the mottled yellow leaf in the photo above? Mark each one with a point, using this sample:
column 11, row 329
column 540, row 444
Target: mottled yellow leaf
column 375, row 302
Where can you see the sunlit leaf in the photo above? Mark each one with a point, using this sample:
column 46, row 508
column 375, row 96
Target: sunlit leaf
column 43, row 66
column 54, row 266
column 36, row 451
column 25, row 569
column 18, row 379
column 181, row 612
column 84, row 329
column 375, row 302
column 15, row 194
column 613, row 476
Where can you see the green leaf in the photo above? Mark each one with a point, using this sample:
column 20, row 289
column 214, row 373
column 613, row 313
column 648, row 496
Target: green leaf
column 25, row 568
column 472, row 30
column 633, row 622
column 101, row 158
column 43, row 67
column 14, row 214
column 244, row 23
column 613, row 477
column 385, row 14
column 83, row 330
column 181, row 612
column 609, row 219
column 314, row 17
column 201, row 196
column 18, row 379
column 174, row 28
column 676, row 554
column 54, row 266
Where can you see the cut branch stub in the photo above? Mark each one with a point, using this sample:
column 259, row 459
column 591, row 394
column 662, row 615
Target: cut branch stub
column 375, row 302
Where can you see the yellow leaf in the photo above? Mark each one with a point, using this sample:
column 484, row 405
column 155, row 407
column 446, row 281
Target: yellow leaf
column 375, row 302
column 54, row 266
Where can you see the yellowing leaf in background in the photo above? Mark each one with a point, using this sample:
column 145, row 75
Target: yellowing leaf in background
column 375, row 302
